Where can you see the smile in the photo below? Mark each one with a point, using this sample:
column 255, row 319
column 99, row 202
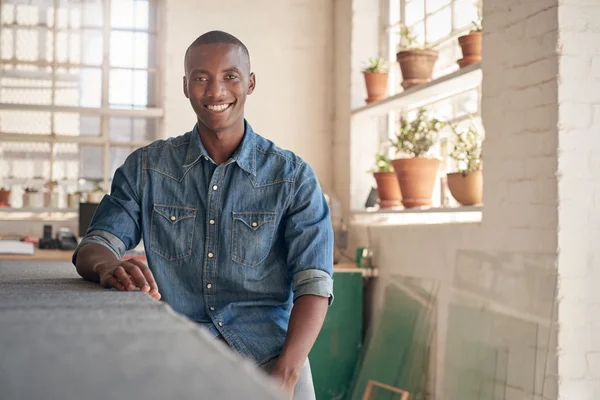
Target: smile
column 218, row 107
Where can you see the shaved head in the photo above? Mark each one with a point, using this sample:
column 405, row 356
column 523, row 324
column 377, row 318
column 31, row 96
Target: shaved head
column 217, row 37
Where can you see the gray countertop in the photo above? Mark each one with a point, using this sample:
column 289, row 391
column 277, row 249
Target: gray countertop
column 64, row 338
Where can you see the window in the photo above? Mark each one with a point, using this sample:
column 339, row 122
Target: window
column 79, row 90
column 436, row 24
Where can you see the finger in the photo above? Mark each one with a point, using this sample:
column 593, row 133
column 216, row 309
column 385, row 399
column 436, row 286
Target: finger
column 124, row 278
column 138, row 278
column 112, row 282
column 148, row 274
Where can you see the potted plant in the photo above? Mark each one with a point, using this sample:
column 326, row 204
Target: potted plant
column 416, row 62
column 5, row 196
column 96, row 195
column 73, row 199
column 376, row 79
column 417, row 171
column 466, row 185
column 51, row 194
column 470, row 45
column 388, row 189
column 33, row 198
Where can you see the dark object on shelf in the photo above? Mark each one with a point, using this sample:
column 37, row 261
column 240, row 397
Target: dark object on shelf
column 372, row 198
column 47, row 242
column 86, row 213
column 66, row 239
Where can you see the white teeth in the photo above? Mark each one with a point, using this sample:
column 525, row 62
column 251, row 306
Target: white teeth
column 218, row 107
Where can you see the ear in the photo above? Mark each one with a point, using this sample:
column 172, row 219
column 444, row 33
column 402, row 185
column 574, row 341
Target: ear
column 251, row 83
column 185, row 88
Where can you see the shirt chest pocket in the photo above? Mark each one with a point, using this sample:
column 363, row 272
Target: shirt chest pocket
column 251, row 237
column 172, row 231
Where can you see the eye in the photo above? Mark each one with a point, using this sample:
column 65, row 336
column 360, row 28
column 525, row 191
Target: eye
column 231, row 76
column 200, row 79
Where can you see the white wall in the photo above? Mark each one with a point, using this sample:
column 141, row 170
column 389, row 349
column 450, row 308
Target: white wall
column 291, row 51
column 506, row 265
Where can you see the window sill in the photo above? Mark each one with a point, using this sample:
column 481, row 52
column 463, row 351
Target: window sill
column 418, row 216
column 440, row 88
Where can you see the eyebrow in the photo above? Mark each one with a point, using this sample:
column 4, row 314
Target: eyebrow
column 203, row 71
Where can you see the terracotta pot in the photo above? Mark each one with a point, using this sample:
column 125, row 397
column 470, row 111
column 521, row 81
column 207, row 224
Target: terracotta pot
column 4, row 198
column 471, row 49
column 466, row 189
column 417, row 178
column 377, row 85
column 416, row 66
column 388, row 189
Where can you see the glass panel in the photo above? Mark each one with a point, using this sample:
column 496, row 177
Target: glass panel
column 90, row 87
column 27, row 44
column 91, row 162
column 92, row 13
column 7, row 49
column 434, row 5
column 415, row 11
column 92, row 51
column 447, row 56
column 66, row 162
column 141, row 14
column 7, row 14
column 25, row 86
column 466, row 103
column 140, row 50
column 128, row 88
column 22, row 161
column 121, row 49
column 122, row 14
column 465, row 11
column 133, row 129
column 117, row 158
column 75, row 124
column 29, row 122
column 439, row 25
column 419, row 31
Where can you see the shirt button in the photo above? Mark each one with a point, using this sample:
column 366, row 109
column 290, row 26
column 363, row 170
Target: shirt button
column 215, row 187
column 220, row 324
column 173, row 218
column 210, row 255
column 254, row 224
column 212, row 222
column 209, row 285
column 212, row 309
column 206, row 158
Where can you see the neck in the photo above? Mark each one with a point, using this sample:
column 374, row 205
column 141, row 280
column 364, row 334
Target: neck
column 222, row 144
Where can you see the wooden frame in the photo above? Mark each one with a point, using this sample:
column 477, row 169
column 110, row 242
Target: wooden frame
column 371, row 385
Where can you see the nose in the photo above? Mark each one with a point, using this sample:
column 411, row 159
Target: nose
column 215, row 88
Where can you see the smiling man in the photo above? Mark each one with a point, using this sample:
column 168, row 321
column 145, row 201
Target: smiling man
column 237, row 231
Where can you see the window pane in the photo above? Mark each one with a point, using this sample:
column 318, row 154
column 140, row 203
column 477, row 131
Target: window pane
column 133, row 129
column 447, row 57
column 7, row 13
column 439, row 25
column 129, row 88
column 141, row 14
column 75, row 124
column 29, row 122
column 415, row 11
column 92, row 51
column 27, row 44
column 92, row 13
column 122, row 14
column 434, row 5
column 466, row 103
column 90, row 87
column 117, row 158
column 140, row 50
column 465, row 11
column 7, row 49
column 121, row 49
column 419, row 31
column 21, row 161
column 25, row 86
column 91, row 162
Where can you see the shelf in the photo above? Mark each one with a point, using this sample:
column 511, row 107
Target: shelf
column 429, row 210
column 38, row 210
column 443, row 87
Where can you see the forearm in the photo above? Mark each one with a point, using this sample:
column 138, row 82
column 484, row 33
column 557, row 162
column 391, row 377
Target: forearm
column 89, row 257
column 305, row 324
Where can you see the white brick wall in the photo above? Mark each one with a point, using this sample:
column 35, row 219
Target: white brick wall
column 579, row 198
column 291, row 50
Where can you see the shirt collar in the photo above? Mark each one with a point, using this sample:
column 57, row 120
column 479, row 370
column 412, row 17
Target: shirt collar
column 244, row 156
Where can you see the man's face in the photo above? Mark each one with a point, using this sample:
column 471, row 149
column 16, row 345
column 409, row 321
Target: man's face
column 217, row 82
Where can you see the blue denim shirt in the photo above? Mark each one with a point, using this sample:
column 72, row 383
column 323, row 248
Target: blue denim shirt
column 231, row 246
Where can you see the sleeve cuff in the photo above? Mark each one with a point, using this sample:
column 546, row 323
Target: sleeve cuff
column 314, row 282
column 103, row 238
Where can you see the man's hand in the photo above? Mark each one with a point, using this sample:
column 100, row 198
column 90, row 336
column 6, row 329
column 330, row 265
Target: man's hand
column 286, row 377
column 127, row 275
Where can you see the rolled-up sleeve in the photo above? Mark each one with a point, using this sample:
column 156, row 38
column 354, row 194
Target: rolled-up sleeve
column 116, row 222
column 309, row 237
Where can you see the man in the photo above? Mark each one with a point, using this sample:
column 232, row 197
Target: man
column 236, row 230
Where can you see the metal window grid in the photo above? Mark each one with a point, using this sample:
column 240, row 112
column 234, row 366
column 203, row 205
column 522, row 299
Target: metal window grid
column 106, row 110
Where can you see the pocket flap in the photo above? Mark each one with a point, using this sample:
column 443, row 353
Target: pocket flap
column 174, row 214
column 254, row 219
